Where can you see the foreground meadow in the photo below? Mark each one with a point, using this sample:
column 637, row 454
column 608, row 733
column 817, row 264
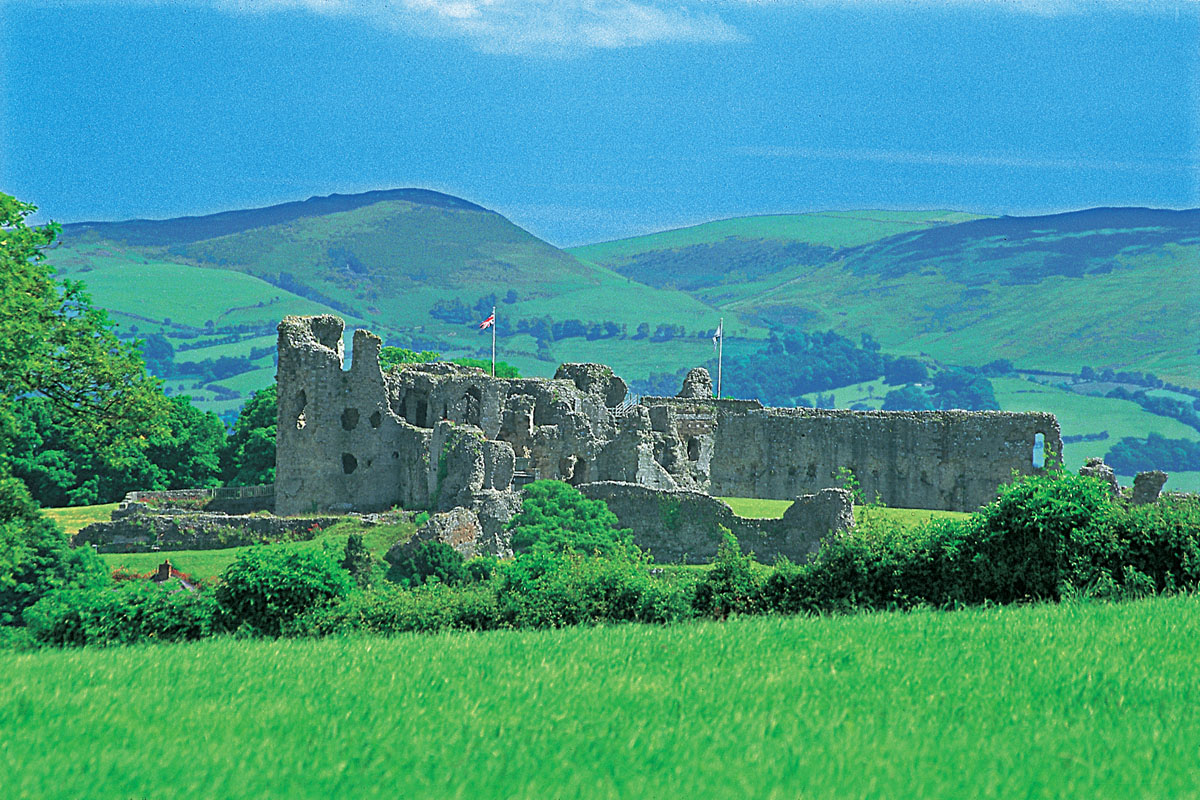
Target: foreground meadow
column 1075, row 700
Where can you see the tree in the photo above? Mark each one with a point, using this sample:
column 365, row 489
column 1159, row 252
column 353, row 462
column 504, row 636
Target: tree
column 907, row 398
column 35, row 557
column 54, row 344
column 248, row 458
column 904, row 369
column 556, row 517
column 395, row 356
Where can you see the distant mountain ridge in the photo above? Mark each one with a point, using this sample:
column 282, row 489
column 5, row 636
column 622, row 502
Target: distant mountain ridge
column 186, row 230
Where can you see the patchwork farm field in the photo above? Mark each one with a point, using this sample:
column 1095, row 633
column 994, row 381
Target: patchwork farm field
column 1035, row 701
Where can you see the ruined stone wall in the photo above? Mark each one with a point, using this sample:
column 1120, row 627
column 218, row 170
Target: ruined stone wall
column 686, row 527
column 951, row 460
column 338, row 444
column 365, row 440
column 143, row 531
column 434, row 435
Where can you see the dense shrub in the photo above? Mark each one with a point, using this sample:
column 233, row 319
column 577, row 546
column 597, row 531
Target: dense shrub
column 1160, row 541
column 1042, row 533
column 135, row 611
column 35, row 556
column 1042, row 536
column 265, row 588
column 731, row 586
column 556, row 518
column 428, row 608
column 358, row 561
column 548, row 590
column 429, row 560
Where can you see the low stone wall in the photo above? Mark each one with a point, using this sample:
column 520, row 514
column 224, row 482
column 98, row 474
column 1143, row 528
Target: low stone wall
column 686, row 527
column 136, row 530
column 224, row 500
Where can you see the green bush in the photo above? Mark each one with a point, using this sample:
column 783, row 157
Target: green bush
column 429, row 608
column 266, row 588
column 35, row 556
column 551, row 590
column 135, row 611
column 556, row 518
column 358, row 561
column 1041, row 534
column 1160, row 541
column 731, row 586
column 428, row 560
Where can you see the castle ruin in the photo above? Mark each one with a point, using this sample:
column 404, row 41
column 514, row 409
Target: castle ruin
column 440, row 436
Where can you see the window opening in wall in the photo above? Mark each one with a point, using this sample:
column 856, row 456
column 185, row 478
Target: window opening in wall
column 376, row 419
column 350, row 419
column 580, row 474
column 693, row 448
column 301, row 403
column 1039, row 451
column 349, row 463
column 421, row 417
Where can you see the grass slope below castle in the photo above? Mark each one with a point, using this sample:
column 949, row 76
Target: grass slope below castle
column 1037, row 701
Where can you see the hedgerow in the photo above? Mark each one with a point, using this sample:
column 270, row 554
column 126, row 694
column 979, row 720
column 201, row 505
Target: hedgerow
column 1044, row 538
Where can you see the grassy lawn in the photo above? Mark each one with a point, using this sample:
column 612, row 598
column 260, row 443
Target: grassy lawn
column 209, row 563
column 753, row 508
column 1032, row 701
column 72, row 518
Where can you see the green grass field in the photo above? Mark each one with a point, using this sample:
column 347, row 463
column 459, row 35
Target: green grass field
column 210, row 563
column 754, row 508
column 72, row 518
column 1032, row 702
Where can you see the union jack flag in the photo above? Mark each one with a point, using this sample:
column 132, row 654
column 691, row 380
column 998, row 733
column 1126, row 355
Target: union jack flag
column 489, row 322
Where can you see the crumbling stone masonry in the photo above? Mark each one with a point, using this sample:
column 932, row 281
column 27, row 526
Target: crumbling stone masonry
column 441, row 436
column 686, row 526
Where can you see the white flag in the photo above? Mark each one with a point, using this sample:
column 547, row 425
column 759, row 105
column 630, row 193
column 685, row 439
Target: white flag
column 718, row 335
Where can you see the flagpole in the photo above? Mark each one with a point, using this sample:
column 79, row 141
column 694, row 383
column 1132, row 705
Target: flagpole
column 720, row 353
column 493, row 341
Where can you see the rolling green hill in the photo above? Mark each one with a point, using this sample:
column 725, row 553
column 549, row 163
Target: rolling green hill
column 417, row 267
column 1113, row 288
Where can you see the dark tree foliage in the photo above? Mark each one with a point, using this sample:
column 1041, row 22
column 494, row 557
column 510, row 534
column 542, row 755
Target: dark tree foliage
column 429, row 560
column 957, row 388
column 904, row 369
column 61, row 467
column 357, row 561
column 798, row 363
column 248, row 456
column 35, row 557
column 908, row 398
column 159, row 355
column 1131, row 455
column 265, row 588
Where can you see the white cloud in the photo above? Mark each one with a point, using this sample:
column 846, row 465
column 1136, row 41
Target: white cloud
column 535, row 27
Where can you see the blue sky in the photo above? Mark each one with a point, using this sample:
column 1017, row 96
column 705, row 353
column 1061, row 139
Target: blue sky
column 590, row 120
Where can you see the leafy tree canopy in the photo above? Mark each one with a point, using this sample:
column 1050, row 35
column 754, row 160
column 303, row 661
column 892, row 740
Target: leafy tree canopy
column 55, row 345
column 556, row 518
column 248, row 458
